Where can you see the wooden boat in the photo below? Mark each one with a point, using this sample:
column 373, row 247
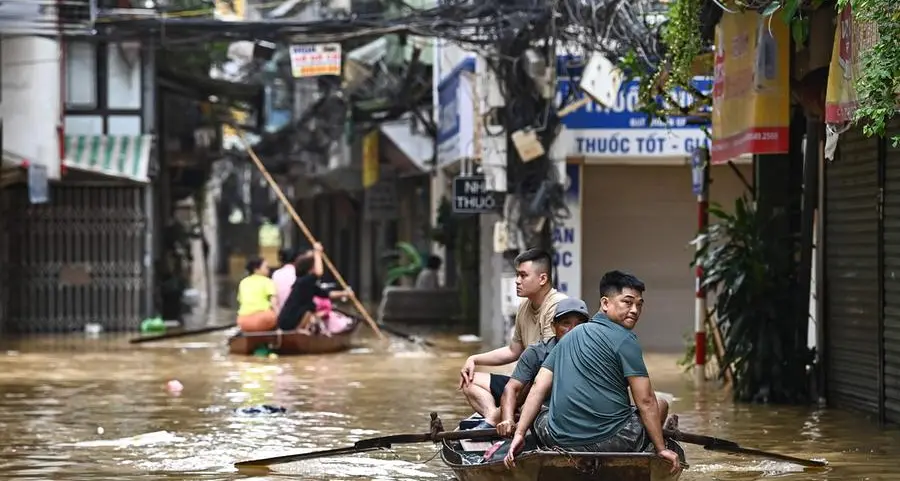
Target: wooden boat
column 287, row 343
column 464, row 458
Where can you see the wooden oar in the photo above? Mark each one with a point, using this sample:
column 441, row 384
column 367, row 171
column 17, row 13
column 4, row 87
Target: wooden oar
column 393, row 330
column 182, row 333
column 372, row 444
column 306, row 232
column 723, row 445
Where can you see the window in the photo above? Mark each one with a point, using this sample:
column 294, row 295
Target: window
column 81, row 75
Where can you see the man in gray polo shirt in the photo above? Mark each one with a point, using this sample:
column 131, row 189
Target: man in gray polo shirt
column 589, row 373
column 570, row 312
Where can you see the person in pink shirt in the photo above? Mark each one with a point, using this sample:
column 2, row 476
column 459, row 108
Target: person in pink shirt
column 285, row 276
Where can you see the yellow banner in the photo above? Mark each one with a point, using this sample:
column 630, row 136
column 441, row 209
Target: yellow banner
column 850, row 38
column 751, row 91
column 370, row 167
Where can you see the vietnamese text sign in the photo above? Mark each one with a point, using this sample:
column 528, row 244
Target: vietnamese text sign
column 315, row 60
column 622, row 130
column 567, row 238
column 470, row 196
column 456, row 115
column 751, row 98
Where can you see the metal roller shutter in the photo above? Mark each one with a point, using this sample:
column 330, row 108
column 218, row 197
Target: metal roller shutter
column 77, row 259
column 852, row 304
column 891, row 280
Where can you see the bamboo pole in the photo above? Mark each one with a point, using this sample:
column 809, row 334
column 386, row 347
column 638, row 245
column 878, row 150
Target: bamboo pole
column 309, row 236
column 720, row 348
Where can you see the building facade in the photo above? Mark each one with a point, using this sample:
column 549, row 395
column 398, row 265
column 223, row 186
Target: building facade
column 636, row 208
column 82, row 111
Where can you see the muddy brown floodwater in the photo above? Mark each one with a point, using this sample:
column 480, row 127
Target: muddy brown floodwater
column 93, row 409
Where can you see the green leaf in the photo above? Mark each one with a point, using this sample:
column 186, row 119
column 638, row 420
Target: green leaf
column 790, row 9
column 800, row 30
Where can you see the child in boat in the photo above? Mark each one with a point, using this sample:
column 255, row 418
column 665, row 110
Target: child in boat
column 256, row 298
column 299, row 309
column 332, row 321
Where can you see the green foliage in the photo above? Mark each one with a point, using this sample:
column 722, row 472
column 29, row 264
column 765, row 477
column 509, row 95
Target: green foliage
column 753, row 278
column 683, row 42
column 879, row 82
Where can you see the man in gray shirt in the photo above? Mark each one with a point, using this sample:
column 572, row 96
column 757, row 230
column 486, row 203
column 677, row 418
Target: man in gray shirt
column 589, row 374
column 570, row 312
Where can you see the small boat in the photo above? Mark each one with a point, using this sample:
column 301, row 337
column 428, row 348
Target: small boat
column 465, row 459
column 287, row 343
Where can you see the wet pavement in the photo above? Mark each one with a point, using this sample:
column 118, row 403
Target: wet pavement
column 98, row 409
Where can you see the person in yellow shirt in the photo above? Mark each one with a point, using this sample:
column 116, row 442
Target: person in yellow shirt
column 256, row 299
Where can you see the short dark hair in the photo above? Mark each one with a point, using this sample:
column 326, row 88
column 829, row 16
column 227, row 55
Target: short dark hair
column 304, row 263
column 434, row 262
column 253, row 264
column 287, row 255
column 614, row 282
column 540, row 258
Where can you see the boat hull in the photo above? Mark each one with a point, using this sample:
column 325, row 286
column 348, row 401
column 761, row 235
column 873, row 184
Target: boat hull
column 543, row 465
column 293, row 343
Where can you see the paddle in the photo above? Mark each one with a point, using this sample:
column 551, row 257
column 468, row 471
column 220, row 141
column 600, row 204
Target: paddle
column 723, row 445
column 182, row 333
column 289, row 207
column 393, row 331
column 373, row 444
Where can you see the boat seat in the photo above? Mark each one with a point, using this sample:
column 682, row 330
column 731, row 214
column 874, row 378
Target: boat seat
column 409, row 305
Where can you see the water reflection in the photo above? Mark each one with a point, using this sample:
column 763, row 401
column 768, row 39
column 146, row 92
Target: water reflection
column 99, row 409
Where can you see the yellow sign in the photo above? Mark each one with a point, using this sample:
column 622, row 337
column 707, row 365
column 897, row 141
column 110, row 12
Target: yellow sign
column 230, row 10
column 850, row 38
column 751, row 90
column 370, row 164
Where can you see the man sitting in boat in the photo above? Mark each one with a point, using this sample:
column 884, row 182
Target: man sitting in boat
column 256, row 298
column 533, row 324
column 299, row 309
column 588, row 375
column 570, row 312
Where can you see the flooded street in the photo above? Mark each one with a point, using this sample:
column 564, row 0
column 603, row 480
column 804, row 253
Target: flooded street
column 81, row 409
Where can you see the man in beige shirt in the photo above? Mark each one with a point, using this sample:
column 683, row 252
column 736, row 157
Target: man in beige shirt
column 533, row 324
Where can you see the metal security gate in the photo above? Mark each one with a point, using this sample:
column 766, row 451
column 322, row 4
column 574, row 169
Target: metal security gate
column 852, row 293
column 891, row 281
column 82, row 258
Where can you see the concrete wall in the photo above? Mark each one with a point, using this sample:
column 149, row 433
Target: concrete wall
column 31, row 100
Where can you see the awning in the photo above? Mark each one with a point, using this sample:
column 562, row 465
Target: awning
column 417, row 148
column 124, row 156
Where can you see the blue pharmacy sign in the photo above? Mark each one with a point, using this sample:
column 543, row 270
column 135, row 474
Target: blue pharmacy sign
column 621, row 130
column 456, row 114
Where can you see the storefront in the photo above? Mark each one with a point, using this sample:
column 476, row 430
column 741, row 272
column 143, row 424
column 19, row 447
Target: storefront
column 636, row 211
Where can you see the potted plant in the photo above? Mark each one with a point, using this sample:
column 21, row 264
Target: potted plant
column 751, row 274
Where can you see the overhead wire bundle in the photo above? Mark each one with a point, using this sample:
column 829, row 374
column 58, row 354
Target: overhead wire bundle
column 501, row 31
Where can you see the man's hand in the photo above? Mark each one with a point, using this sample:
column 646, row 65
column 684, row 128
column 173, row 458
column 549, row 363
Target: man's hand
column 467, row 373
column 671, row 457
column 318, row 247
column 518, row 442
column 506, row 428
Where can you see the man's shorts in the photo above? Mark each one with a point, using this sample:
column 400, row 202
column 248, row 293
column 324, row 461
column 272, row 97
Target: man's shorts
column 498, row 384
column 631, row 437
